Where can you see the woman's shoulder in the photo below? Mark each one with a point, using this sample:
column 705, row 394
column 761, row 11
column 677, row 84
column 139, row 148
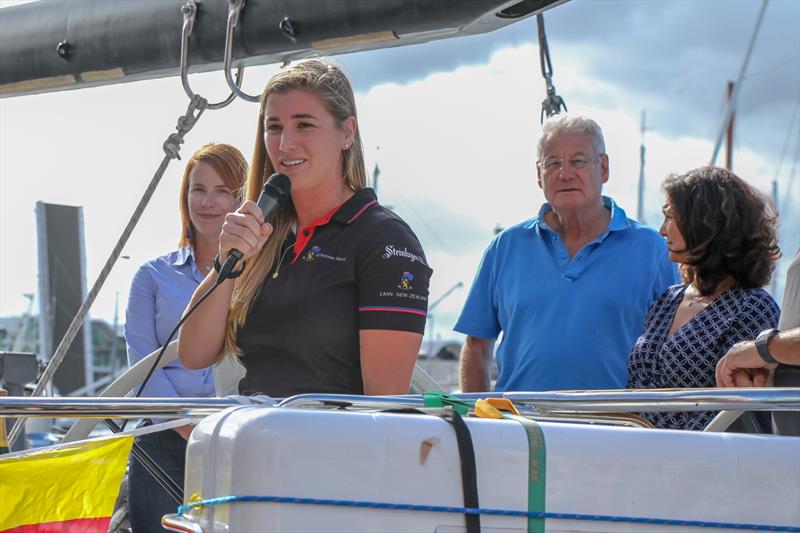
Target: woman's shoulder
column 752, row 295
column 755, row 298
column 162, row 263
column 672, row 292
column 174, row 257
column 387, row 235
column 667, row 299
column 384, row 223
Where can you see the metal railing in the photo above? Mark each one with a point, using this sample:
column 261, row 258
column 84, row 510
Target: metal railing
column 763, row 399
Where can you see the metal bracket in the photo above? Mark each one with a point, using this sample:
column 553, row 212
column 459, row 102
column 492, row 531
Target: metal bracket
column 234, row 8
column 189, row 11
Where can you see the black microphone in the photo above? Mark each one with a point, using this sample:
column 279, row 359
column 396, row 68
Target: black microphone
column 276, row 190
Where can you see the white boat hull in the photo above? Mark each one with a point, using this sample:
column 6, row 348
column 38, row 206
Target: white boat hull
column 378, row 457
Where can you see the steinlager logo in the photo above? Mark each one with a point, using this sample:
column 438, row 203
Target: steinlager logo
column 391, row 251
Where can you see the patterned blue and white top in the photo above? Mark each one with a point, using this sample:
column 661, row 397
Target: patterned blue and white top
column 688, row 357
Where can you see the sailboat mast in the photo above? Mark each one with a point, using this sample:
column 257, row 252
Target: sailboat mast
column 773, row 284
column 729, row 139
column 640, row 201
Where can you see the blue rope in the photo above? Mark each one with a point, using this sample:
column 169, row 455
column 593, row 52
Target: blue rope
column 467, row 510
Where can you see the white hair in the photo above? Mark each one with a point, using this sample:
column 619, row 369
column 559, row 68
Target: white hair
column 577, row 124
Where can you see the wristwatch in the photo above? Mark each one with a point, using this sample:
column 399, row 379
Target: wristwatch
column 761, row 345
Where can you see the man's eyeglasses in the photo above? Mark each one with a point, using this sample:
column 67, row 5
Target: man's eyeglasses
column 554, row 165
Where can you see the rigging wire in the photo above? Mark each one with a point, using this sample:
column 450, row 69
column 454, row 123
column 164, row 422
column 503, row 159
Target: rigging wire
column 552, row 104
column 410, row 205
column 171, row 147
column 786, row 143
column 792, row 176
column 772, row 68
column 738, row 84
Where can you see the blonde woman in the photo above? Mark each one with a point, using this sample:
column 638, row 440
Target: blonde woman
column 333, row 292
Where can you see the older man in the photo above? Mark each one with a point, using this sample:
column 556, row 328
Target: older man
column 569, row 288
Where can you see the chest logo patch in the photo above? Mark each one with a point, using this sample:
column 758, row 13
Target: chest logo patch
column 405, row 281
column 311, row 254
column 316, row 253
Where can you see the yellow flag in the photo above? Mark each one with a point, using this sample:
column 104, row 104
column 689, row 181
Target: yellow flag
column 68, row 488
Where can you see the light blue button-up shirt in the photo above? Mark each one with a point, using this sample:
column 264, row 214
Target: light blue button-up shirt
column 160, row 292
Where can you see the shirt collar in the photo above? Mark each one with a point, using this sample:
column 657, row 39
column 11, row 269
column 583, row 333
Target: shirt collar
column 619, row 220
column 183, row 255
column 355, row 206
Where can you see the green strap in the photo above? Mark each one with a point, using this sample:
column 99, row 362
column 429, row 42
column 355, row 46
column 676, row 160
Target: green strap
column 537, row 461
column 441, row 399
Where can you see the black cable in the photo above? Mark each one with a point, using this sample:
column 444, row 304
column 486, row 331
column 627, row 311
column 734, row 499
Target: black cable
column 174, row 490
column 174, row 331
column 169, row 339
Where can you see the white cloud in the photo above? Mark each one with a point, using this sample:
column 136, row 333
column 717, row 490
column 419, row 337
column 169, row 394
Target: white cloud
column 457, row 157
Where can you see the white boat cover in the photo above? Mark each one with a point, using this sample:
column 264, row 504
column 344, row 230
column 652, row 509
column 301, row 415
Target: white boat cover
column 634, row 474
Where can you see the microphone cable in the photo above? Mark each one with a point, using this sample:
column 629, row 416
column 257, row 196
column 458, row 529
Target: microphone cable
column 177, row 327
column 173, row 489
column 275, row 191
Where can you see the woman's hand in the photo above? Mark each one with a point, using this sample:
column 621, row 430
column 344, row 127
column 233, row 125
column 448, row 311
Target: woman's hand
column 244, row 230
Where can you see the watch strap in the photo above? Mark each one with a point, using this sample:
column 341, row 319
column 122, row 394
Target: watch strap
column 232, row 275
column 762, row 342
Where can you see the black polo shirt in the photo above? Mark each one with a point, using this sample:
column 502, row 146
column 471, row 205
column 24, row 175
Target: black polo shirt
column 359, row 267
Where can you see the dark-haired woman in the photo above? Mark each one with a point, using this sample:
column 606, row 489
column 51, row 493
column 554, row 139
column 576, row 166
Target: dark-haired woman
column 722, row 233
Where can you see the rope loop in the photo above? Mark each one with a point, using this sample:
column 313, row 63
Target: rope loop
column 172, row 146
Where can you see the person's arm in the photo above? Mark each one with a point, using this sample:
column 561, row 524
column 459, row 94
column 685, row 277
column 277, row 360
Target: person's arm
column 392, row 307
column 476, row 363
column 202, row 336
column 140, row 332
column 387, row 360
column 742, row 366
column 480, row 321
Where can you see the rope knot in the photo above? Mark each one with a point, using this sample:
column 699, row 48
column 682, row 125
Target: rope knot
column 172, row 146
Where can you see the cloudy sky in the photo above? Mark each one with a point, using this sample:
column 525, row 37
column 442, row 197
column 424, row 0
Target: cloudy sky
column 452, row 124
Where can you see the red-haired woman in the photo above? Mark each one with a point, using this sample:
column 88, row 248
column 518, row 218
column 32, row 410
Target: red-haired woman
column 210, row 189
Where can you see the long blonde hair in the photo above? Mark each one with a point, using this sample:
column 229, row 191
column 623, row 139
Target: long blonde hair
column 329, row 83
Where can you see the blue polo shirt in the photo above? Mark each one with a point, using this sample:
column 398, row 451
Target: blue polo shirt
column 566, row 323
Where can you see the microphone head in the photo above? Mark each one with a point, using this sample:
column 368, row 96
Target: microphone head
column 278, row 186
